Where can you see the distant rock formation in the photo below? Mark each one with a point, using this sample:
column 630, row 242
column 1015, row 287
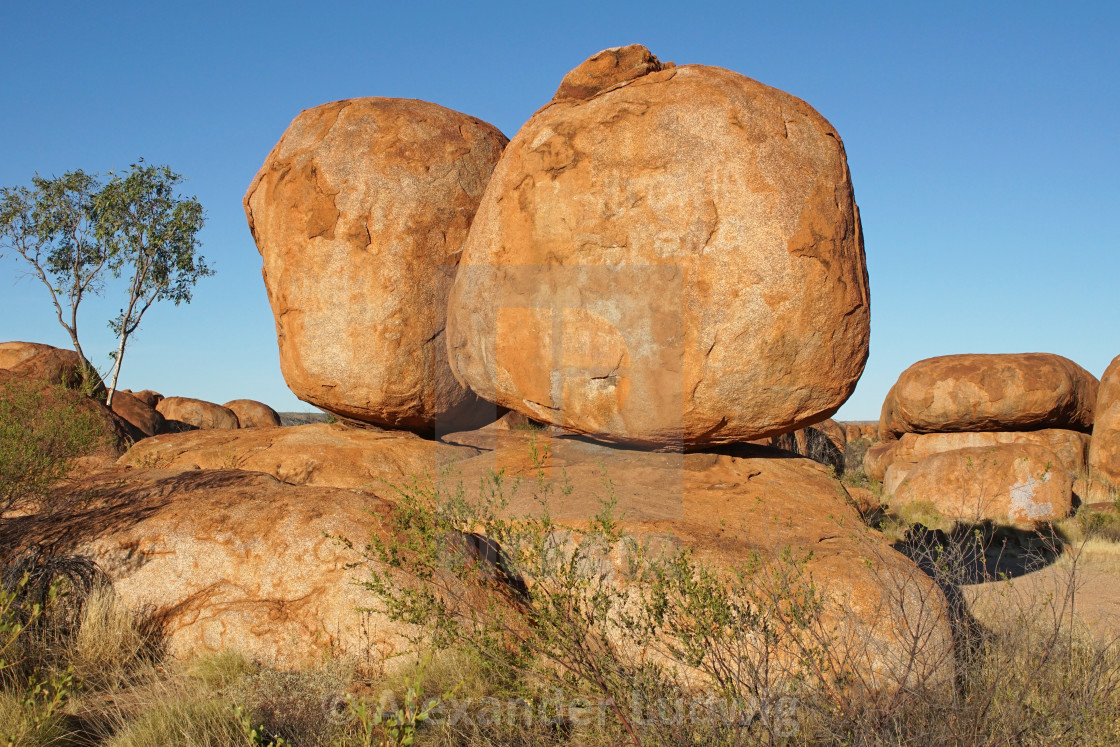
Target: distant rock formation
column 253, row 414
column 977, row 433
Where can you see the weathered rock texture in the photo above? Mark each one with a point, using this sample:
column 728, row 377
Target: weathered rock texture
column 1003, row 392
column 1070, row 447
column 665, row 257
column 360, row 212
column 1104, row 453
column 320, row 454
column 185, row 413
column 253, row 414
column 1017, row 483
column 237, row 560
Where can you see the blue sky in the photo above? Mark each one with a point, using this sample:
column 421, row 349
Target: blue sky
column 982, row 139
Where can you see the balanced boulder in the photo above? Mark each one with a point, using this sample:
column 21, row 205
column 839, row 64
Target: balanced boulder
column 984, row 392
column 360, row 213
column 253, row 414
column 665, row 256
column 185, row 413
column 1104, row 453
column 1017, row 483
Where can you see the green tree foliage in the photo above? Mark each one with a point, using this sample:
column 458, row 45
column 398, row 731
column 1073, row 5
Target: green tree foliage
column 76, row 231
column 52, row 227
column 151, row 238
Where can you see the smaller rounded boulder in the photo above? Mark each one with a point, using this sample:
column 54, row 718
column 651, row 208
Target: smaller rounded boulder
column 253, row 414
column 184, row 414
column 145, row 421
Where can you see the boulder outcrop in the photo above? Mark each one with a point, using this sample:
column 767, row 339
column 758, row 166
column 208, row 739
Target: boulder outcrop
column 145, row 421
column 238, row 560
column 360, row 213
column 1070, row 447
column 48, row 364
column 665, row 256
column 14, row 353
column 1017, row 483
column 147, row 396
column 728, row 506
column 114, row 433
column 997, row 392
column 320, row 454
column 878, row 458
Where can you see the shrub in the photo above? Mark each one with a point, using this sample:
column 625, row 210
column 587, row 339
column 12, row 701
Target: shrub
column 589, row 615
column 42, row 429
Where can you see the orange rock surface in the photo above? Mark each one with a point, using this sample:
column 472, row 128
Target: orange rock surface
column 665, row 256
column 360, row 213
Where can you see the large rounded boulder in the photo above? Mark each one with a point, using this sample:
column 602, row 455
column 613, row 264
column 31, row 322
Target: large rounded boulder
column 360, row 213
column 990, row 392
column 665, row 256
column 1104, row 452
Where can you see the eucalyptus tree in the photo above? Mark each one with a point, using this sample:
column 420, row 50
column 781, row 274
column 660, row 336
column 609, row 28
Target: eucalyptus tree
column 76, row 232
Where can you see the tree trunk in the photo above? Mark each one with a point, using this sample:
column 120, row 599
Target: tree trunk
column 116, row 371
column 88, row 370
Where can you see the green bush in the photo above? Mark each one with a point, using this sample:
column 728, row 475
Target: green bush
column 547, row 611
column 42, row 429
